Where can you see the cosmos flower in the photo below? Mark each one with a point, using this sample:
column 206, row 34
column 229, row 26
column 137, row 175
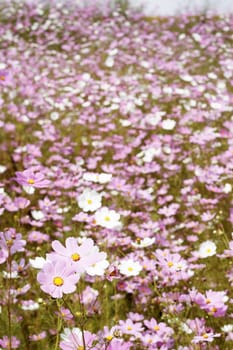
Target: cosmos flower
column 3, row 255
column 143, row 243
column 89, row 200
column 4, row 342
column 5, row 77
column 97, row 269
column 168, row 124
column 130, row 268
column 107, row 218
column 206, row 249
column 119, row 344
column 29, row 305
column 80, row 257
column 37, row 263
column 11, row 241
column 30, row 180
column 73, row 340
column 39, row 336
column 132, row 328
column 101, row 178
column 205, row 337
column 57, row 278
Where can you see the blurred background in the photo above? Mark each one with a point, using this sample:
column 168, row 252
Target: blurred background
column 171, row 7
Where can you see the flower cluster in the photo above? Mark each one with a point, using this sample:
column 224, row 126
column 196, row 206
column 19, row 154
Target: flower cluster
column 62, row 268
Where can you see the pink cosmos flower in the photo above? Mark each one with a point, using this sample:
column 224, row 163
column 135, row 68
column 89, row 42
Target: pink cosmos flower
column 65, row 314
column 5, row 77
column 39, row 336
column 37, row 236
column 81, row 256
column 5, row 342
column 213, row 302
column 205, row 337
column 119, row 344
column 57, row 278
column 3, row 255
column 131, row 328
column 11, row 241
column 31, row 180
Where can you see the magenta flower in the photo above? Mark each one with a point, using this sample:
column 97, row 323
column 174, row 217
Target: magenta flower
column 57, row 278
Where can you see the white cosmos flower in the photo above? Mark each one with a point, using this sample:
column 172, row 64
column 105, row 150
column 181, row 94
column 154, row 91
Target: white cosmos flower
column 196, row 37
column 109, row 62
column 227, row 188
column 168, row 124
column 186, row 328
column 89, row 200
column 67, row 331
column 29, row 189
column 37, row 214
column 37, row 263
column 8, row 275
column 107, row 218
column 2, row 169
column 130, row 268
column 148, row 154
column 98, row 268
column 207, row 248
column 227, row 328
column 31, row 306
column 143, row 243
column 101, row 178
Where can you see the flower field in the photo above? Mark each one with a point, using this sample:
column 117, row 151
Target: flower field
column 116, row 179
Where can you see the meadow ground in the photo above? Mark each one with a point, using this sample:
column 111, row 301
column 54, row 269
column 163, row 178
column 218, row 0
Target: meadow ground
column 116, row 169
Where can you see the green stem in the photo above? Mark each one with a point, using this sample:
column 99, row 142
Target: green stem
column 59, row 324
column 9, row 301
column 82, row 309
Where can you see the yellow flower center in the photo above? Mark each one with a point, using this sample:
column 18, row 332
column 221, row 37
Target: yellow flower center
column 9, row 242
column 89, row 201
column 31, row 181
column 2, row 77
column 129, row 328
column 80, row 347
column 208, row 301
column 58, row 281
column 130, row 269
column 156, row 328
column 170, row 264
column 109, row 337
column 213, row 310
column 107, row 218
column 75, row 257
column 208, row 250
column 205, row 335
